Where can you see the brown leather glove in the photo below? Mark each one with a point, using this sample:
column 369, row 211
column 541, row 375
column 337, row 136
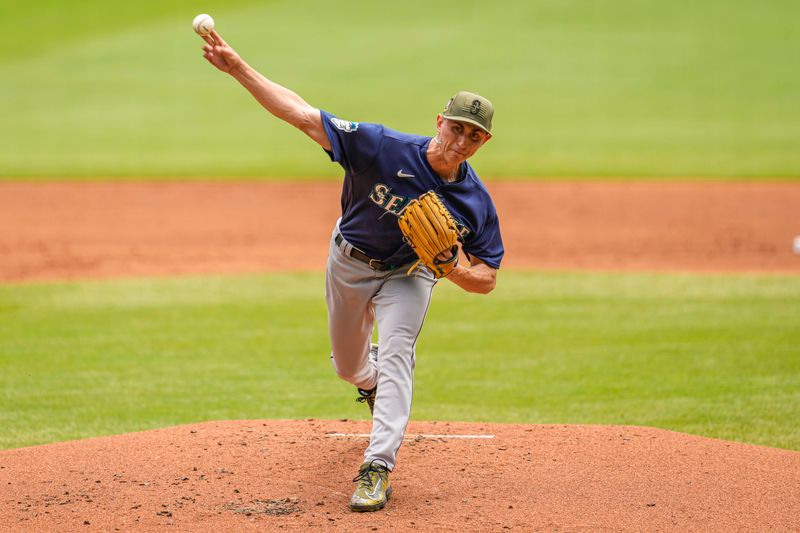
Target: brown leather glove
column 430, row 230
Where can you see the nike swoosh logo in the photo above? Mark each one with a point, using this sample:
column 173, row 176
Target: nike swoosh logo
column 401, row 174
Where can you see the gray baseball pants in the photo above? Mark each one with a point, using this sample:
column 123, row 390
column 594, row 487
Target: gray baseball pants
column 357, row 296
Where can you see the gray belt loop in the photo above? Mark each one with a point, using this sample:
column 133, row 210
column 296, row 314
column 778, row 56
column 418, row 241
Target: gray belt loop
column 344, row 246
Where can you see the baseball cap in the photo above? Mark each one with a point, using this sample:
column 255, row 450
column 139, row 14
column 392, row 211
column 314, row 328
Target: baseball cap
column 470, row 107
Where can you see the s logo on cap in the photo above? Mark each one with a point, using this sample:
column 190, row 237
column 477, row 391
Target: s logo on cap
column 475, row 108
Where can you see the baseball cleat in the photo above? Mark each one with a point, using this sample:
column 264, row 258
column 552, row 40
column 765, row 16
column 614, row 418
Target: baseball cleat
column 368, row 396
column 374, row 489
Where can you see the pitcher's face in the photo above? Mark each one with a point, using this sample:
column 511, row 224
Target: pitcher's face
column 458, row 141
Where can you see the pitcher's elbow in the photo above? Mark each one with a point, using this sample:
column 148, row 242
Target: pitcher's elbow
column 487, row 287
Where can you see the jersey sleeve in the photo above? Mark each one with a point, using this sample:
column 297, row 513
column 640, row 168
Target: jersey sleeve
column 354, row 145
column 487, row 244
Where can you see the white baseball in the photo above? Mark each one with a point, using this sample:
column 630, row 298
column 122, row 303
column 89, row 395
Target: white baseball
column 203, row 24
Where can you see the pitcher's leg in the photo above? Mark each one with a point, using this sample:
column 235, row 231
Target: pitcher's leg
column 350, row 318
column 400, row 307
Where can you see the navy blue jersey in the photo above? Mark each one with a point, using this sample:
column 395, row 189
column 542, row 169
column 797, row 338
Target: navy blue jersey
column 384, row 171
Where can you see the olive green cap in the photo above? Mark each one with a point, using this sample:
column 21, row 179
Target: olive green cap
column 472, row 108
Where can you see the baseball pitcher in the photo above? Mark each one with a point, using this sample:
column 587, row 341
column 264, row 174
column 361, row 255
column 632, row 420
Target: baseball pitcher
column 410, row 204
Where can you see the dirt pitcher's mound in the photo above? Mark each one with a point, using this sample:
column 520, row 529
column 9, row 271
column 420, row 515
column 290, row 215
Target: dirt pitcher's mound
column 295, row 475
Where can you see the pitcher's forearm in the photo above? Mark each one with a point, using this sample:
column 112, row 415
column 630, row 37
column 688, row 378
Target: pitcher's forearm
column 479, row 278
column 282, row 102
column 278, row 100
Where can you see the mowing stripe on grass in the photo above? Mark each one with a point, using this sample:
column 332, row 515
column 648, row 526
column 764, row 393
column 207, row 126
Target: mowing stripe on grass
column 712, row 355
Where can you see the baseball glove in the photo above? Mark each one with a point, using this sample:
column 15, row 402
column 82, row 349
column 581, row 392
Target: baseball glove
column 430, row 230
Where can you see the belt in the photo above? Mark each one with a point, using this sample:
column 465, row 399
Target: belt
column 355, row 253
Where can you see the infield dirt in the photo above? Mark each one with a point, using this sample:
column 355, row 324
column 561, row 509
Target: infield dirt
column 293, row 475
column 58, row 231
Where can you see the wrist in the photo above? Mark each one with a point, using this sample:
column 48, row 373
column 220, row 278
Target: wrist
column 239, row 70
column 457, row 271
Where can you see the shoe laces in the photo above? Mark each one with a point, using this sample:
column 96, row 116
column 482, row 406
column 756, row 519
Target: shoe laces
column 365, row 478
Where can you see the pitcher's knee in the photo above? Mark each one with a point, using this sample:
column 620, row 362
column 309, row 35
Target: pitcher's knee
column 354, row 376
column 349, row 377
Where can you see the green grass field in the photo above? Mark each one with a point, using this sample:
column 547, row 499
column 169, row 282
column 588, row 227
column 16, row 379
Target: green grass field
column 588, row 89
column 624, row 88
column 709, row 355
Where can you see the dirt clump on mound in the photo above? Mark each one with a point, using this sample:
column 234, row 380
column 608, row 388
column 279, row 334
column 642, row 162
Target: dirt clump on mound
column 296, row 475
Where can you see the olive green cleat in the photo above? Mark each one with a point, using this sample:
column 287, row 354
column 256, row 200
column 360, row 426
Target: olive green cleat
column 373, row 490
